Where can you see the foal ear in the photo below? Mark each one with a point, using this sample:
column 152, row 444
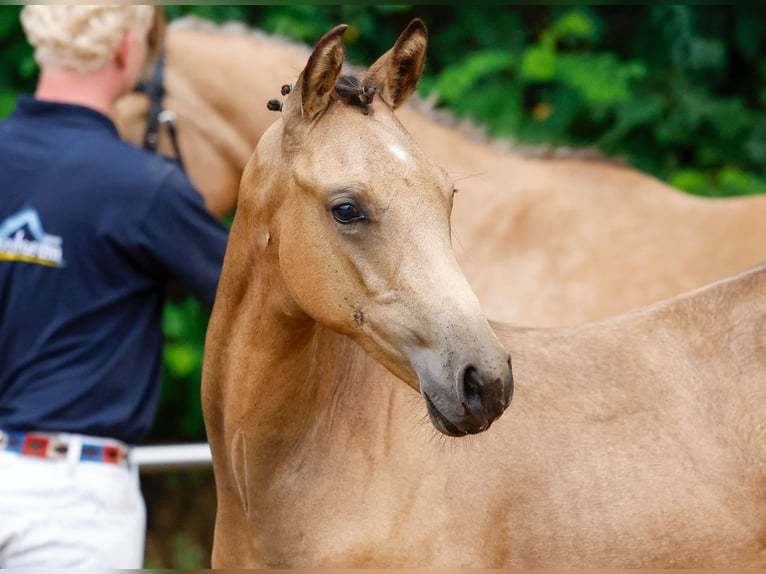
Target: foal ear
column 317, row 80
column 396, row 73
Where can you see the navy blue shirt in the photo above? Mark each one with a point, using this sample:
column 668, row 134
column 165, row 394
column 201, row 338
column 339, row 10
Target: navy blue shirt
column 91, row 230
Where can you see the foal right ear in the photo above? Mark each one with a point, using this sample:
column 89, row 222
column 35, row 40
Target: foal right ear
column 311, row 94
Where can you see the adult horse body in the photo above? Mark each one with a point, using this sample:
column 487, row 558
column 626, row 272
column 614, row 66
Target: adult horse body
column 635, row 441
column 542, row 241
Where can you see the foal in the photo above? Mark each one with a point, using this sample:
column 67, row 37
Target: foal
column 636, row 441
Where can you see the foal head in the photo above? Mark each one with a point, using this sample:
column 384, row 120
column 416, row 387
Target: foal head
column 358, row 220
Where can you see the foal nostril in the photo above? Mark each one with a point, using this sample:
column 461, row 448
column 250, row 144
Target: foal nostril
column 473, row 390
column 484, row 398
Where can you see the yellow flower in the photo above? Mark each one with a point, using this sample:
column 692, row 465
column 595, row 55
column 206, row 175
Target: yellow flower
column 542, row 111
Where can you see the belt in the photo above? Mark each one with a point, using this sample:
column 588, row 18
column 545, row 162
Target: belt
column 57, row 447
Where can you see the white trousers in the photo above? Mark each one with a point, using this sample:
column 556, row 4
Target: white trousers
column 69, row 514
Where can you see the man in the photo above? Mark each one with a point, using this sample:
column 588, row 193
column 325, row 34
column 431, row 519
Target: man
column 91, row 230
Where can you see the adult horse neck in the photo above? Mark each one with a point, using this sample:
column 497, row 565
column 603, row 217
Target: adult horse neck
column 542, row 241
column 637, row 441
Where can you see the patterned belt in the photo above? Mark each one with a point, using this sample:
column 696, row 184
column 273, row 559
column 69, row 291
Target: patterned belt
column 55, row 446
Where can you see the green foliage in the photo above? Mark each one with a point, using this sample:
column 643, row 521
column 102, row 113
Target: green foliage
column 666, row 108
column 728, row 181
column 180, row 407
column 455, row 82
column 17, row 66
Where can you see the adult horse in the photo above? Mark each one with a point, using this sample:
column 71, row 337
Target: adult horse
column 636, row 441
column 543, row 241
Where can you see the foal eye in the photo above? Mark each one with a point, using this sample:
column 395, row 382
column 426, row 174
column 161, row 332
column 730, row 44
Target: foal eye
column 346, row 213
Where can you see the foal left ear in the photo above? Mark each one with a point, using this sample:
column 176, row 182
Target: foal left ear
column 317, row 80
column 396, row 73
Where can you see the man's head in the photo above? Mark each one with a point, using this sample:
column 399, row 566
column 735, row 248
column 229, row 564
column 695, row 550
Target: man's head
column 88, row 54
column 86, row 39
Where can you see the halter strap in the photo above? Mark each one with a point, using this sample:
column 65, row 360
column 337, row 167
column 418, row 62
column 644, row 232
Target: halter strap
column 157, row 116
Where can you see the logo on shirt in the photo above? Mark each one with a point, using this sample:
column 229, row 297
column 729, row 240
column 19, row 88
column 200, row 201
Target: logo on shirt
column 22, row 238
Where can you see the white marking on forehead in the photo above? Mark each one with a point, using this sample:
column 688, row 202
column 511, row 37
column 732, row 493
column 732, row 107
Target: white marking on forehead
column 398, row 152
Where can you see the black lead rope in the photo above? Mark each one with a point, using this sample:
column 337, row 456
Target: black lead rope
column 154, row 89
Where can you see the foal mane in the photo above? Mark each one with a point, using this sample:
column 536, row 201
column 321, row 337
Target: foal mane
column 234, row 28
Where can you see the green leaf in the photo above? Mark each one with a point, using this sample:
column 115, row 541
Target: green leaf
column 691, row 180
column 575, row 24
column 497, row 108
column 27, row 66
column 538, row 64
column 392, row 8
column 456, row 81
column 640, row 109
column 182, row 360
column 9, row 21
column 7, row 102
column 729, row 117
column 173, row 320
column 601, row 78
column 747, row 31
column 734, row 181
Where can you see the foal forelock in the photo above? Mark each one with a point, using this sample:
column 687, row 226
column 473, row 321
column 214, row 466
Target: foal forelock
column 348, row 89
column 353, row 91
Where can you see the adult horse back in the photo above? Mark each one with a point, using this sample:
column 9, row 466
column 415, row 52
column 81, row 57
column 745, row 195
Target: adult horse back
column 636, row 441
column 547, row 241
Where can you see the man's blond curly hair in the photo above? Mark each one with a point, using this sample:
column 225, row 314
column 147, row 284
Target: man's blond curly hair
column 78, row 37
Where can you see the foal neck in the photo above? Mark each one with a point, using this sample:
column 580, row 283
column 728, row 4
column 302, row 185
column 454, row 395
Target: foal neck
column 283, row 380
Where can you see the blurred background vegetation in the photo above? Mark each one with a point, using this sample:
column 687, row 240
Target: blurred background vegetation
column 676, row 91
